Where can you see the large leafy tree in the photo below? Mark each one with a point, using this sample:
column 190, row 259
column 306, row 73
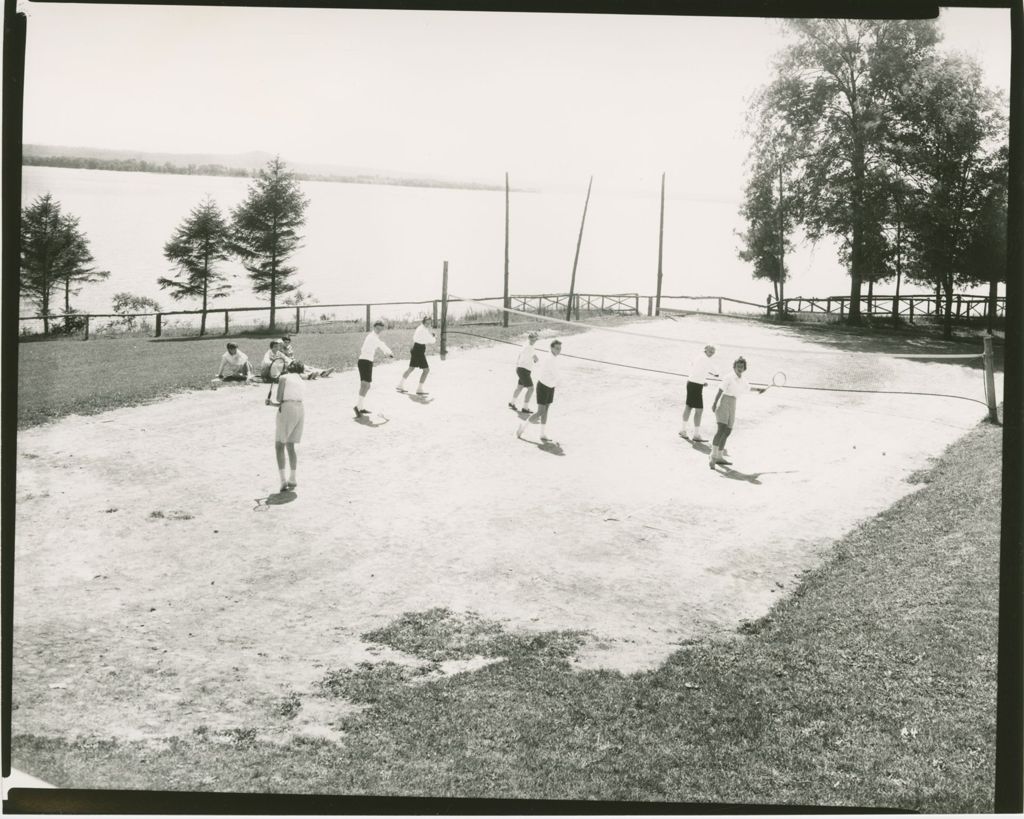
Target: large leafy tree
column 836, row 87
column 198, row 244
column 951, row 136
column 54, row 255
column 264, row 231
column 771, row 203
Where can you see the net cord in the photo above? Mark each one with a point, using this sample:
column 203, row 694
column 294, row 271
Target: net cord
column 620, row 331
column 753, row 384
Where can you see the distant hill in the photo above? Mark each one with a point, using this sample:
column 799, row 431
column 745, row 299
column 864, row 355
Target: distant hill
column 241, row 164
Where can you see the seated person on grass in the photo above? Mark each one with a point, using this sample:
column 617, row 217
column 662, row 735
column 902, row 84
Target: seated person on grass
column 274, row 362
column 310, row 372
column 234, row 365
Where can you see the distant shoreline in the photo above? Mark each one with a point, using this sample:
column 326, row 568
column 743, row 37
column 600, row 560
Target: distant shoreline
column 145, row 166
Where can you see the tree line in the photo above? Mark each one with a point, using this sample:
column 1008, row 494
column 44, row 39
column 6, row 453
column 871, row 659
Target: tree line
column 262, row 233
column 868, row 134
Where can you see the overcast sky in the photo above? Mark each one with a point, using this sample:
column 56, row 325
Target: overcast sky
column 549, row 98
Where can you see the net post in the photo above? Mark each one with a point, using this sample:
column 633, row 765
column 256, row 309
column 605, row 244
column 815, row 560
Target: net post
column 444, row 312
column 990, row 381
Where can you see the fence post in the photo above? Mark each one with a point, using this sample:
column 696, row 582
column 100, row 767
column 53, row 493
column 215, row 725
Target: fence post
column 719, row 304
column 87, row 327
column 911, row 310
column 636, row 306
column 842, row 308
column 368, row 325
column 159, row 316
column 577, row 307
column 435, row 314
column 828, row 305
column 959, row 302
column 226, row 322
column 297, row 308
column 650, row 305
column 990, row 381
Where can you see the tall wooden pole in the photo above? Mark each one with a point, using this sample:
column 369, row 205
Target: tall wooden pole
column 661, row 242
column 504, row 315
column 575, row 261
column 444, row 311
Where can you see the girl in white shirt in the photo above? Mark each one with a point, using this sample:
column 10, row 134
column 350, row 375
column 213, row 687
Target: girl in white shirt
column 371, row 344
column 418, row 356
column 290, row 417
column 733, row 386
column 548, row 378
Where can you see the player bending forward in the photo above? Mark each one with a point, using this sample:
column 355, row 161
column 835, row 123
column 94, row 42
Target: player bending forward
column 290, row 417
column 371, row 344
column 524, row 367
column 418, row 356
column 548, row 377
column 733, row 386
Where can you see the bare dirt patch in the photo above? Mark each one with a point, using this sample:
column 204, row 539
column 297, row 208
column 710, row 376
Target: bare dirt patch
column 164, row 588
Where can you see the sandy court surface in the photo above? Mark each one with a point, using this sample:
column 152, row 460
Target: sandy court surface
column 158, row 591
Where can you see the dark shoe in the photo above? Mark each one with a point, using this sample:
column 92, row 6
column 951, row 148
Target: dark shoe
column 357, row 411
column 512, row 406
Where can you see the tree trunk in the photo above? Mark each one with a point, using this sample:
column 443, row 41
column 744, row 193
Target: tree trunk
column 947, row 329
column 993, row 294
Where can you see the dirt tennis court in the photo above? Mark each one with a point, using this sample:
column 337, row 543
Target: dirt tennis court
column 161, row 585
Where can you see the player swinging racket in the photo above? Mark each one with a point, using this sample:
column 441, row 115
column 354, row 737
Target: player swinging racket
column 524, row 367
column 724, row 406
column 548, row 377
column 699, row 372
column 371, row 344
column 418, row 356
column 290, row 417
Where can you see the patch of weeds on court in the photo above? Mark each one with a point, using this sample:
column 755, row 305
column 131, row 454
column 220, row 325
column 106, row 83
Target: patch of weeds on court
column 289, row 706
column 240, row 736
column 173, row 514
column 440, row 634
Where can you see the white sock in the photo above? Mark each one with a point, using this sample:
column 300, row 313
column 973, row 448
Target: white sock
column 291, row 477
column 281, row 472
column 543, row 430
column 359, row 403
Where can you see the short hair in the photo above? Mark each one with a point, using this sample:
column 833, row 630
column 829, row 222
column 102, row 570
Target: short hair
column 740, row 360
column 296, row 367
column 231, row 344
column 556, row 341
column 274, row 341
column 379, row 323
column 286, row 339
column 426, row 319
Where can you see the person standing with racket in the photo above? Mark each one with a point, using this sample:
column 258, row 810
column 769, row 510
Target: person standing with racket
column 524, row 367
column 371, row 344
column 418, row 356
column 724, row 406
column 548, row 378
column 290, row 417
column 700, row 370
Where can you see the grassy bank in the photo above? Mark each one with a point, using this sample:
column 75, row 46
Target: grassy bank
column 873, row 685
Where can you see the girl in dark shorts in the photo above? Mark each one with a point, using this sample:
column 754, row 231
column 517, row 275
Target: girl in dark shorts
column 418, row 356
column 524, row 366
column 548, row 377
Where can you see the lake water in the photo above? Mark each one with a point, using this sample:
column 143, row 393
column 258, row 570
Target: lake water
column 388, row 243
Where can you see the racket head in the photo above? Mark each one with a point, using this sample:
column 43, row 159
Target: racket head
column 779, row 379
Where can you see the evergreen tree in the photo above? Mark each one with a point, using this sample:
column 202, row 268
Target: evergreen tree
column 264, row 231
column 198, row 244
column 54, row 254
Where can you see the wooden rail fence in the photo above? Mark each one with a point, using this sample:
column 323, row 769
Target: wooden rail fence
column 965, row 307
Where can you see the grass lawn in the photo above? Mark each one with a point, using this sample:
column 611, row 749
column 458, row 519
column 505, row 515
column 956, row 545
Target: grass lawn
column 873, row 685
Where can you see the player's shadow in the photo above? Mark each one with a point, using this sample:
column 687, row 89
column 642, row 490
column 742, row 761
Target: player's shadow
column 367, row 422
column 275, row 499
column 550, row 447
